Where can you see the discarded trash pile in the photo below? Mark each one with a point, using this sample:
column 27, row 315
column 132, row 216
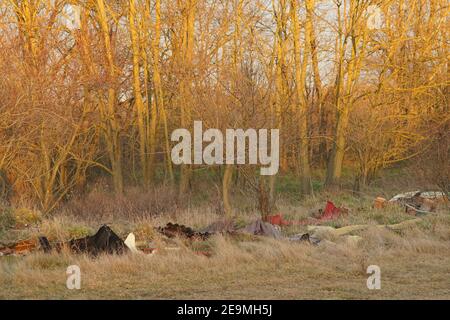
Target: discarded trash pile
column 415, row 202
column 19, row 248
column 172, row 230
column 104, row 241
column 257, row 227
column 260, row 228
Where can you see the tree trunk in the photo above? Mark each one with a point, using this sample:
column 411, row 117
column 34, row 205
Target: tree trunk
column 302, row 105
column 109, row 116
column 226, row 182
column 140, row 109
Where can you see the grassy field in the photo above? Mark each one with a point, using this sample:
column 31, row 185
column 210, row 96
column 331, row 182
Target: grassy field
column 414, row 262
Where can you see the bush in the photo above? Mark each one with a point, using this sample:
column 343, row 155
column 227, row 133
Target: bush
column 7, row 219
column 433, row 164
column 27, row 216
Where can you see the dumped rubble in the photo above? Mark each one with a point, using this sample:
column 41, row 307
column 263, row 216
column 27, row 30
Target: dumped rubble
column 259, row 227
column 417, row 203
column 414, row 202
column 104, row 241
column 172, row 230
column 107, row 241
column 432, row 195
column 20, row 248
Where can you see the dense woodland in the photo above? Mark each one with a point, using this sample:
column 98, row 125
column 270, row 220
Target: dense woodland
column 94, row 88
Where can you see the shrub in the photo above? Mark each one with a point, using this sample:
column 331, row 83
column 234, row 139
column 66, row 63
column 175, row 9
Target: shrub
column 6, row 219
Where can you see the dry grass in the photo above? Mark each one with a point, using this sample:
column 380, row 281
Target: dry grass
column 415, row 263
column 100, row 204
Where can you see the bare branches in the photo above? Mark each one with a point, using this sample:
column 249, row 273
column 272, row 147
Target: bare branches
column 103, row 96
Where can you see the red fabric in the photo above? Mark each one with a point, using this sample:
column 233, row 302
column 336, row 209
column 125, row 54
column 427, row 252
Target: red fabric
column 329, row 213
column 276, row 219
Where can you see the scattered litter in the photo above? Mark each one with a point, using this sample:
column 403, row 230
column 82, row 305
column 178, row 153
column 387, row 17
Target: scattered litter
column 172, row 230
column 380, row 203
column 277, row 220
column 418, row 202
column 45, row 244
column 259, row 227
column 20, row 248
column 24, row 246
column 130, row 242
column 425, row 194
column 305, row 237
column 104, row 241
column 330, row 212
